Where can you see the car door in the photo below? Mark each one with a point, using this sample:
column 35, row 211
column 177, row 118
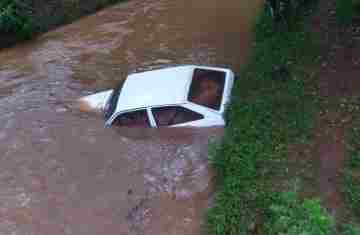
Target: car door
column 175, row 115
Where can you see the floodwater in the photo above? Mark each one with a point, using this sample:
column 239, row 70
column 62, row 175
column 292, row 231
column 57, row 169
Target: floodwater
column 61, row 171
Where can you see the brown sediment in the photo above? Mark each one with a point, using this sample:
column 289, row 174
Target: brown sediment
column 331, row 152
column 85, row 107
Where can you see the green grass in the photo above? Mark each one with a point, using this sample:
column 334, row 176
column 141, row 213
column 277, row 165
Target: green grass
column 270, row 110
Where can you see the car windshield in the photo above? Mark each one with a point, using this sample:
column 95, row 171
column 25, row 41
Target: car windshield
column 207, row 88
column 112, row 101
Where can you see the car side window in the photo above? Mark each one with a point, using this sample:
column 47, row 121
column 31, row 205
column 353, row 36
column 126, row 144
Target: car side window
column 172, row 115
column 137, row 118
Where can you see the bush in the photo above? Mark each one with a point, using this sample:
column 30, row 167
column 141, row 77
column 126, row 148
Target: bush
column 350, row 229
column 352, row 176
column 356, row 7
column 15, row 18
column 22, row 19
column 289, row 216
column 344, row 12
column 287, row 11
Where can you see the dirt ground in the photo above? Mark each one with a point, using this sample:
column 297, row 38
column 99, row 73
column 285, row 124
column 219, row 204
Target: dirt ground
column 338, row 82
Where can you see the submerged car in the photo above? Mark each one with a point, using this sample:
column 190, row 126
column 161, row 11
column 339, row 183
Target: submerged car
column 188, row 95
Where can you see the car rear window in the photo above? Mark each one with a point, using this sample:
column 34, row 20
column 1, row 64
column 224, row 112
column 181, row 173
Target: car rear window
column 207, row 88
column 132, row 119
column 172, row 115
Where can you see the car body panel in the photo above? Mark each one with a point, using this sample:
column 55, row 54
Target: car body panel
column 157, row 87
column 98, row 100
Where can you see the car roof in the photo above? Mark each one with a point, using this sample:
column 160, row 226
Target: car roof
column 155, row 88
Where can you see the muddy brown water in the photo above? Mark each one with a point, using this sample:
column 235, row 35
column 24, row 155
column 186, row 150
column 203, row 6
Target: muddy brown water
column 61, row 171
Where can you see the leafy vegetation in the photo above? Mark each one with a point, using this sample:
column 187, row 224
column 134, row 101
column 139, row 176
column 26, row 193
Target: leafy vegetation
column 287, row 11
column 15, row 17
column 346, row 10
column 289, row 216
column 350, row 229
column 272, row 108
column 352, row 172
column 21, row 19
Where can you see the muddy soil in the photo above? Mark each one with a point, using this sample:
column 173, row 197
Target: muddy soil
column 61, row 171
column 338, row 81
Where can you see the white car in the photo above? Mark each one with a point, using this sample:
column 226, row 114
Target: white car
column 188, row 95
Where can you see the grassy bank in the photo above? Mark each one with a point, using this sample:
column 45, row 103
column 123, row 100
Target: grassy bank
column 346, row 12
column 274, row 106
column 23, row 19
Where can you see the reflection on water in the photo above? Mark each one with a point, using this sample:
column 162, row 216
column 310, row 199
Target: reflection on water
column 61, row 171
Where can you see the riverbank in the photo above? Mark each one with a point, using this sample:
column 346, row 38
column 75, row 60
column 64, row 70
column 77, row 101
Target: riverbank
column 279, row 165
column 22, row 20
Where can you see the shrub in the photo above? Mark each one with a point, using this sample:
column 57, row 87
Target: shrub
column 289, row 216
column 350, row 229
column 344, row 12
column 287, row 11
column 352, row 176
column 15, row 17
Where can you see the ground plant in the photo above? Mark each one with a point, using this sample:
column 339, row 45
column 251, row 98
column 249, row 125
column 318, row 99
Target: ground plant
column 352, row 171
column 350, row 229
column 290, row 216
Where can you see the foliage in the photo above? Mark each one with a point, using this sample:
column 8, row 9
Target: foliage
column 352, row 172
column 289, row 216
column 268, row 112
column 350, row 229
column 287, row 11
column 15, row 17
column 344, row 12
column 18, row 20
column 356, row 7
